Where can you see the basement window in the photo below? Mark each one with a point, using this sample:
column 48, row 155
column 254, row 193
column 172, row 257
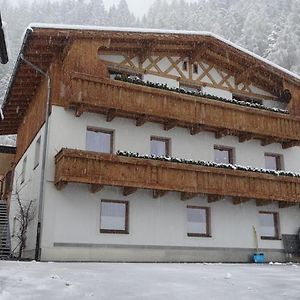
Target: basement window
column 37, row 153
column 269, row 225
column 223, row 155
column 99, row 140
column 114, row 216
column 160, row 146
column 273, row 161
column 198, row 221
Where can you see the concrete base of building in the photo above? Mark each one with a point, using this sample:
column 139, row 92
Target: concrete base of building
column 141, row 253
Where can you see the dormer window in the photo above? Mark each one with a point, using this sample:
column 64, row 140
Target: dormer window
column 184, row 65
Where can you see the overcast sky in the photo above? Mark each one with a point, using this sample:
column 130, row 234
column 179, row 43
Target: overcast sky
column 138, row 7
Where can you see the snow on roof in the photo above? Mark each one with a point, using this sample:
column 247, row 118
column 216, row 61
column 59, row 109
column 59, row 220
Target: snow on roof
column 162, row 31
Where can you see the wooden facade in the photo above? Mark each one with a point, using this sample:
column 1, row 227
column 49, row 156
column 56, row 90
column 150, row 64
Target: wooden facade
column 78, row 166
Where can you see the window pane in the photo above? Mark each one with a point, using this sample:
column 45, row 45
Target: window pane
column 271, row 162
column 267, row 225
column 222, row 156
column 196, row 220
column 23, row 169
column 159, row 147
column 113, row 216
column 98, row 141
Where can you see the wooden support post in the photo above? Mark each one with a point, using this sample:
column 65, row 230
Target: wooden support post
column 266, row 142
column 196, row 129
column 214, row 198
column 187, row 196
column 245, row 137
column 169, row 124
column 111, row 114
column 79, row 110
column 158, row 193
column 260, row 202
column 95, row 188
column 221, row 133
column 287, row 204
column 141, row 120
column 286, row 145
column 239, row 200
column 129, row 190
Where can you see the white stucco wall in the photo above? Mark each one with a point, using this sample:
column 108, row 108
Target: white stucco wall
column 71, row 216
column 28, row 190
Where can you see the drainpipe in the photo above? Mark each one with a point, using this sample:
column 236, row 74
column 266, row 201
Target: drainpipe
column 44, row 157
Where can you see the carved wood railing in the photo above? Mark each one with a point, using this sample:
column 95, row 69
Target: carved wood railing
column 116, row 98
column 130, row 173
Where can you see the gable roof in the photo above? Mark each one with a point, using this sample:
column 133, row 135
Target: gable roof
column 42, row 42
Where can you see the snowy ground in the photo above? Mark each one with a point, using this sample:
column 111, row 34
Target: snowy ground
column 32, row 280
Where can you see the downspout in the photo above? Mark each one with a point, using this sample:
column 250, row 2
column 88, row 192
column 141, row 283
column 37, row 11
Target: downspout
column 44, row 157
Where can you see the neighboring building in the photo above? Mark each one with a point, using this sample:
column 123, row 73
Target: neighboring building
column 99, row 205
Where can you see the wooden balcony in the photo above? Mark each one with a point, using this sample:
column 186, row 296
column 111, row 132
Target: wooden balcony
column 130, row 173
column 116, row 98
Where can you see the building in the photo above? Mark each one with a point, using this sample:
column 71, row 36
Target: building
column 208, row 135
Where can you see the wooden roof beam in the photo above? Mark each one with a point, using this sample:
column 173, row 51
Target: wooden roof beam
column 245, row 137
column 260, row 202
column 245, row 75
column 129, row 190
column 195, row 129
column 170, row 124
column 214, row 198
column 146, row 50
column 186, row 196
column 282, row 204
column 221, row 133
column 239, row 200
column 95, row 188
column 286, row 145
column 159, row 193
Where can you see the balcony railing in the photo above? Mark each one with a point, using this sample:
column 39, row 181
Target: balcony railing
column 131, row 173
column 116, row 98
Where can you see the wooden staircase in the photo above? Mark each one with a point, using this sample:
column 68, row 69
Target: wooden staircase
column 4, row 231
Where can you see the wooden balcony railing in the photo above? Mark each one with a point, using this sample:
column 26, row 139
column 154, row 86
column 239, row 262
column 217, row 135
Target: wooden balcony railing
column 130, row 173
column 116, row 98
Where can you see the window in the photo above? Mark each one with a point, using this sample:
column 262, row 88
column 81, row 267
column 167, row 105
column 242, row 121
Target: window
column 23, row 169
column 184, row 65
column 198, row 221
column 269, row 225
column 195, row 68
column 99, row 140
column 37, row 152
column 114, row 216
column 273, row 161
column 159, row 146
column 223, row 155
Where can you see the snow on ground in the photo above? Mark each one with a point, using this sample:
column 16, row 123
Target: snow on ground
column 34, row 280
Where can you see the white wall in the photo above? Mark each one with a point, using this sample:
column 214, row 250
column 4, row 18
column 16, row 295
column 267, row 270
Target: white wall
column 28, row 190
column 72, row 215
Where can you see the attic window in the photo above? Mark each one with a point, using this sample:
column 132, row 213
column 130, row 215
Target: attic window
column 184, row 65
column 195, row 68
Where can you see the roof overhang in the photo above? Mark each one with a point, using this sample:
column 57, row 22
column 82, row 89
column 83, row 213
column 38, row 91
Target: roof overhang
column 43, row 42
